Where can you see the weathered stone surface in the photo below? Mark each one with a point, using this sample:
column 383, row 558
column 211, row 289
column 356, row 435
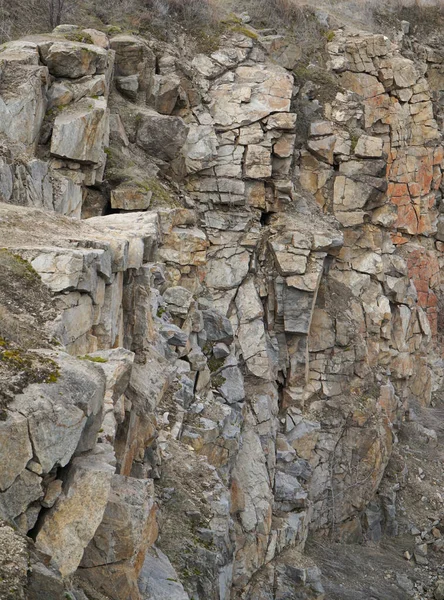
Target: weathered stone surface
column 289, row 492
column 284, row 147
column 14, row 443
column 178, row 299
column 98, row 37
column 53, row 491
column 322, row 332
column 158, row 579
column 70, row 525
column 23, row 102
column 323, row 147
column 257, row 162
column 74, row 59
column 404, row 72
column 201, row 148
column 13, row 564
column 174, row 335
column 138, row 233
column 27, row 488
column 134, row 59
column 297, row 310
column 61, row 413
column 79, row 133
column 228, row 271
column 282, row 120
column 165, row 93
column 20, row 52
column 232, row 388
column 257, row 92
column 268, row 405
column 148, row 383
column 130, row 198
column 161, row 136
column 218, row 328
column 369, row 147
column 128, row 525
column 128, row 86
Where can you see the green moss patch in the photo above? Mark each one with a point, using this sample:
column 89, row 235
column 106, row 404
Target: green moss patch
column 161, row 195
column 79, row 36
column 96, row 359
column 20, row 368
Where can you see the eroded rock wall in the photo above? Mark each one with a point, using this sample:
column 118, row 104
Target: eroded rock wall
column 234, row 332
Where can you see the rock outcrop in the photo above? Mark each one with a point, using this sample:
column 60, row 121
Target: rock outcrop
column 217, row 359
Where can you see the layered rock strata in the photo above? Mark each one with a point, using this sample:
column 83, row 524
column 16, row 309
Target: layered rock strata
column 216, row 359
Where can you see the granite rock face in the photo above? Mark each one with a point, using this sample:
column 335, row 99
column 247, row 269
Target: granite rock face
column 221, row 356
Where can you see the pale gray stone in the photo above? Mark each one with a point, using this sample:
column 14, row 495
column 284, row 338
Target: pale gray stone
column 158, row 580
column 173, row 334
column 128, row 86
column 122, row 533
column 178, row 300
column 257, row 91
column 289, row 492
column 16, row 445
column 27, row 488
column 232, row 388
column 22, row 102
column 64, row 413
column 79, row 133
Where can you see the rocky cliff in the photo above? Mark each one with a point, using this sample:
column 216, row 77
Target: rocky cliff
column 220, row 322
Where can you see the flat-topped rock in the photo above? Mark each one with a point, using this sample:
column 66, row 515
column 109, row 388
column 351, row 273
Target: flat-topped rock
column 75, row 59
column 80, row 132
column 256, row 92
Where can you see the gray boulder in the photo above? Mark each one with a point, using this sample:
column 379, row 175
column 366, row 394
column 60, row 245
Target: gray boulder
column 217, row 327
column 161, row 136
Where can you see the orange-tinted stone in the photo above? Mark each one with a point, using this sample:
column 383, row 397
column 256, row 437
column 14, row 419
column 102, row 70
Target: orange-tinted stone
column 399, row 239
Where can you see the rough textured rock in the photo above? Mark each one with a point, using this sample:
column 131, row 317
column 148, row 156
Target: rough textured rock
column 70, row 525
column 161, row 136
column 13, row 564
column 74, row 60
column 78, row 134
column 158, row 579
column 240, row 349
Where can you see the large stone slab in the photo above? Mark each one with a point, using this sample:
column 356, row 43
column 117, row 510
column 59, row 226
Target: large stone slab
column 257, row 91
column 140, row 230
column 80, row 132
column 135, row 66
column 59, row 414
column 27, row 488
column 298, row 306
column 16, row 445
column 161, row 136
column 70, row 525
column 128, row 526
column 22, row 102
column 74, row 59
column 158, row 579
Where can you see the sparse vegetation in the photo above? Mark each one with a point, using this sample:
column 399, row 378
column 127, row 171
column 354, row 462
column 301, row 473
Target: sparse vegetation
column 217, row 381
column 214, row 364
column 161, row 195
column 96, row 359
column 22, row 368
column 204, row 18
column 79, row 36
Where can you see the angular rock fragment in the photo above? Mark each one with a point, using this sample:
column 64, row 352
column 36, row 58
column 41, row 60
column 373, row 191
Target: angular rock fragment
column 74, row 59
column 79, row 133
column 71, row 523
